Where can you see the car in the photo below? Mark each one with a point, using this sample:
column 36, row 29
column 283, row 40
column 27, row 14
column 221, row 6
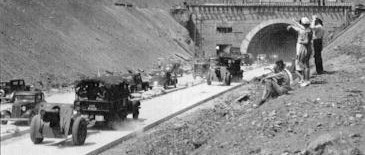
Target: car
column 105, row 99
column 200, row 68
column 247, row 59
column 25, row 105
column 164, row 77
column 12, row 86
column 262, row 58
column 225, row 69
column 57, row 120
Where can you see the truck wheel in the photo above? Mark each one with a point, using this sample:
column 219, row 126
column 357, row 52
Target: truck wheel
column 133, row 89
column 79, row 131
column 135, row 114
column 175, row 82
column 209, row 79
column 226, row 80
column 35, row 128
column 146, row 86
column 5, row 114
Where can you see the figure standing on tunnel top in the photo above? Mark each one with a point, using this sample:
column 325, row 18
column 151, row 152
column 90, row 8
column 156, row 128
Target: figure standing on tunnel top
column 318, row 33
column 304, row 48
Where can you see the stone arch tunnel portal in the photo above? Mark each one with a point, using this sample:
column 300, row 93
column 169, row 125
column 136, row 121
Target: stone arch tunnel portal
column 272, row 39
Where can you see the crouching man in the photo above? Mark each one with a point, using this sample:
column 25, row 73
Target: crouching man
column 276, row 84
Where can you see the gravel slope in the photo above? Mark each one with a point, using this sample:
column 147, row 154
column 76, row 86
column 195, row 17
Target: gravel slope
column 63, row 39
column 327, row 117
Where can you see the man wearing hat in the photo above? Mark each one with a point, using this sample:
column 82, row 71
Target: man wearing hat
column 318, row 33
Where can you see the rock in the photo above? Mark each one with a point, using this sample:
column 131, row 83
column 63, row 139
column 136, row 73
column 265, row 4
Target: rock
column 362, row 60
column 355, row 151
column 320, row 143
column 351, row 118
column 354, row 135
column 305, row 115
column 272, row 113
column 253, row 122
column 319, row 124
column 285, row 153
column 358, row 115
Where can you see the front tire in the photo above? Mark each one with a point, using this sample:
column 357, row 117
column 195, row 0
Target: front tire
column 35, row 128
column 5, row 114
column 135, row 114
column 227, row 79
column 79, row 131
column 209, row 79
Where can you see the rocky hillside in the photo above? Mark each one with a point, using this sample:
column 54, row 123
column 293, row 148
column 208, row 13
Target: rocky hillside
column 63, row 39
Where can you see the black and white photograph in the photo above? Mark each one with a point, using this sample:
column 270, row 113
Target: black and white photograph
column 182, row 77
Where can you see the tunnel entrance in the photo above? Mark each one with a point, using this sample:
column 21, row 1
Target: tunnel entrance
column 273, row 40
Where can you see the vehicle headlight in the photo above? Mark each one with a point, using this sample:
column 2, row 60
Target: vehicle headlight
column 155, row 83
column 23, row 108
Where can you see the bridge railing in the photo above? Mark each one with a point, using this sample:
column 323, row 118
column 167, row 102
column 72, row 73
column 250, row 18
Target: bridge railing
column 265, row 3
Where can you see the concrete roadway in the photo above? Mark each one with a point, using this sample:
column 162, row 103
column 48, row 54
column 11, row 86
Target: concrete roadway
column 151, row 112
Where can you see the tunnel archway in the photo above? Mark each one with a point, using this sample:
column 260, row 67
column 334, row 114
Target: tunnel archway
column 271, row 38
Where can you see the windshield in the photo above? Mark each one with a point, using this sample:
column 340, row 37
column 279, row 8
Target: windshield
column 25, row 97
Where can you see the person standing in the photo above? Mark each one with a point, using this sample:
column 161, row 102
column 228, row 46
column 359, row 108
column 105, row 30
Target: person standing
column 318, row 33
column 304, row 48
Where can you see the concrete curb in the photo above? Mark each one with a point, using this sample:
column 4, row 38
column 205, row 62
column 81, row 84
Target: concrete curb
column 133, row 134
column 17, row 134
column 171, row 90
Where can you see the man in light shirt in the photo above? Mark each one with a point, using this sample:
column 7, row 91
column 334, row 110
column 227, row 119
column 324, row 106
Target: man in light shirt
column 318, row 33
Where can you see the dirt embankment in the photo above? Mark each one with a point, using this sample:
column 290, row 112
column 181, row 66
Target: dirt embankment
column 63, row 39
column 327, row 117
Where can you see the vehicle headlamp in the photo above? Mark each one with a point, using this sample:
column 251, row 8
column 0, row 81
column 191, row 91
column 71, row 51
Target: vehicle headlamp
column 23, row 108
column 155, row 83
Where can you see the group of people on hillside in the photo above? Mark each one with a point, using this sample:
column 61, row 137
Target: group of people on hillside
column 310, row 37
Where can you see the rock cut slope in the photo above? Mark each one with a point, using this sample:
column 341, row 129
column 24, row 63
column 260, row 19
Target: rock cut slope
column 325, row 118
column 62, row 39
